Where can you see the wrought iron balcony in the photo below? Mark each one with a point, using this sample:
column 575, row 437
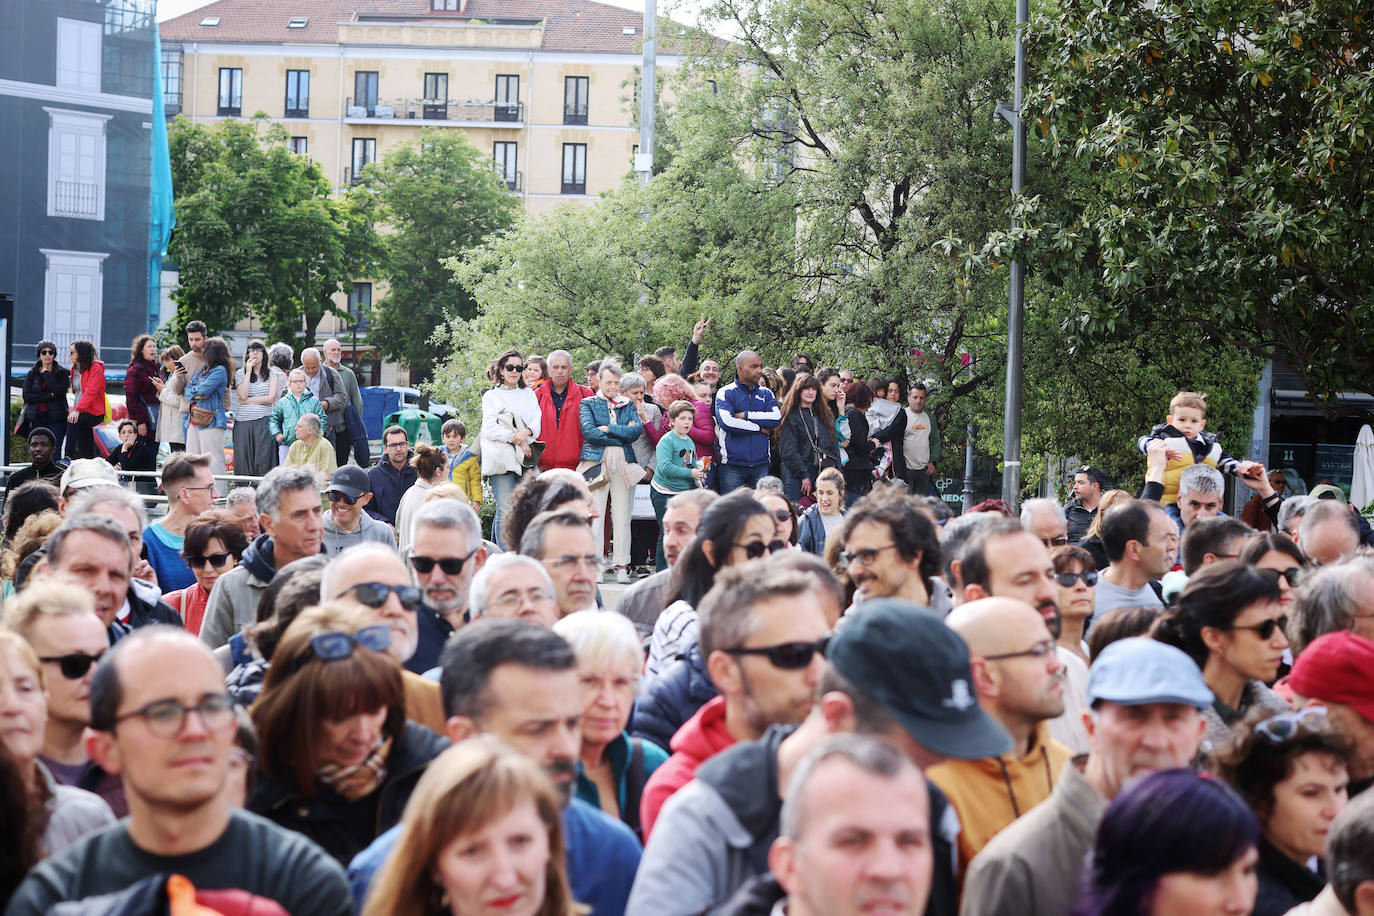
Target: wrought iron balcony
column 459, row 110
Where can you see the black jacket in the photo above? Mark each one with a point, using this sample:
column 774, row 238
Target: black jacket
column 672, row 698
column 860, row 450
column 1283, row 883
column 45, row 394
column 388, row 485
column 801, row 436
column 1078, row 519
column 343, row 828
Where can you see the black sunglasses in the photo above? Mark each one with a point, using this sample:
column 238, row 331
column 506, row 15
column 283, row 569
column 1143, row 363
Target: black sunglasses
column 74, row 665
column 782, row 515
column 216, row 560
column 756, row 549
column 335, row 496
column 374, row 594
column 508, row 367
column 1266, row 629
column 47, row 352
column 789, row 656
column 1291, row 574
column 330, row 647
column 1068, row 579
column 451, row 566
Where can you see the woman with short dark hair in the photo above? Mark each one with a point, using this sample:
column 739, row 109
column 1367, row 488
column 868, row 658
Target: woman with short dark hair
column 339, row 760
column 89, row 411
column 1293, row 771
column 45, row 395
column 214, row 543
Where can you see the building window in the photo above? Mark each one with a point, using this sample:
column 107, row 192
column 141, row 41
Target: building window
column 171, row 81
column 575, row 90
column 444, row 6
column 507, row 156
column 507, row 97
column 230, row 92
column 359, row 306
column 297, row 93
column 364, row 93
column 73, row 288
column 78, row 55
column 574, row 168
column 364, row 151
column 299, row 145
column 76, row 164
column 436, row 96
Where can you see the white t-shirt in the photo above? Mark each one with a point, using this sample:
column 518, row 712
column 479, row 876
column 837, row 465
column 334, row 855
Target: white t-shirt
column 916, row 440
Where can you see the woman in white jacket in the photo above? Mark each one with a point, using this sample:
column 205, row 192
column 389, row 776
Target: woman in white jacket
column 510, row 423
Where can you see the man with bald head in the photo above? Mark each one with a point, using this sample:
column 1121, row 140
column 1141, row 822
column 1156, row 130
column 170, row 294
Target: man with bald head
column 1329, row 533
column 333, row 358
column 327, row 385
column 375, row 577
column 744, row 410
column 168, row 731
column 1020, row 682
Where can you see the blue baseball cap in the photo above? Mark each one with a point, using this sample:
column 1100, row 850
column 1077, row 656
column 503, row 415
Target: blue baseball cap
column 1140, row 670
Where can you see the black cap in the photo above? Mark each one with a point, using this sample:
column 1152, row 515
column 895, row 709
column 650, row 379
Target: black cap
column 351, row 481
column 905, row 657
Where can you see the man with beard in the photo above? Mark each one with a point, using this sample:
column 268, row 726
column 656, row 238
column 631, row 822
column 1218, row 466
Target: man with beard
column 518, row 683
column 891, row 550
column 1147, row 702
column 761, row 633
column 445, row 552
column 1020, row 683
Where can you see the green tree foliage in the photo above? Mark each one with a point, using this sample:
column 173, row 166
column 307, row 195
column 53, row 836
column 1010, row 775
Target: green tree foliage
column 438, row 196
column 258, row 231
column 1229, row 142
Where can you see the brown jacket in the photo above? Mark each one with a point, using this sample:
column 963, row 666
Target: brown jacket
column 424, row 703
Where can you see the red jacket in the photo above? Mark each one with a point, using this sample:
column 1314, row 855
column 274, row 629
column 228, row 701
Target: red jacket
column 93, row 389
column 700, row 738
column 562, row 441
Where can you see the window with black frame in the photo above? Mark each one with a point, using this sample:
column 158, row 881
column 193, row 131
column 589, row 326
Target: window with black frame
column 297, row 94
column 574, row 168
column 230, row 92
column 575, row 93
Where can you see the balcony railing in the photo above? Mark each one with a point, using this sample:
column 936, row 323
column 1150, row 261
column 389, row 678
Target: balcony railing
column 578, row 187
column 229, row 111
column 514, row 184
column 76, row 199
column 576, row 114
column 351, row 177
column 296, row 112
column 436, row 110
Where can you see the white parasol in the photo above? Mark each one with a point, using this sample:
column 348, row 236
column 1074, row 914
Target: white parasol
column 1362, row 483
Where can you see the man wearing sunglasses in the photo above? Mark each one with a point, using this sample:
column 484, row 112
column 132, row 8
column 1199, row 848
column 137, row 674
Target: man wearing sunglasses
column 391, row 476
column 168, row 732
column 346, row 524
column 59, row 622
column 446, row 552
column 1206, row 541
column 375, row 577
column 713, row 835
column 1146, row 714
column 1019, row 681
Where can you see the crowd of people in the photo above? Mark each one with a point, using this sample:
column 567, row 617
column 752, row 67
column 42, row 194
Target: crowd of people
column 335, row 692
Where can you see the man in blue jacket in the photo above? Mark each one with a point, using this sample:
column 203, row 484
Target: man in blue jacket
column 744, row 409
column 391, row 476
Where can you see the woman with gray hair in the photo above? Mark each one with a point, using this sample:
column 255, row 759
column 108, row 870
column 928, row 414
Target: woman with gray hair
column 610, row 425
column 613, row 767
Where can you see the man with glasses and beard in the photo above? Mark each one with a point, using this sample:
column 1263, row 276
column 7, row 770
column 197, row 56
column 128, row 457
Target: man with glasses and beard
column 891, row 551
column 518, row 682
column 346, row 524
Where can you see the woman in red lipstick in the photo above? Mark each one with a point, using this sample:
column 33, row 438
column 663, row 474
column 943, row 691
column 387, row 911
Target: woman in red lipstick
column 481, row 836
column 1291, row 770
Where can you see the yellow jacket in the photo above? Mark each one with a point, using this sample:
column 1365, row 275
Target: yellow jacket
column 465, row 470
column 991, row 792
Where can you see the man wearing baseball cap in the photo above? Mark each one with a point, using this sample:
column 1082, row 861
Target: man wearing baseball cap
column 896, row 672
column 82, row 473
column 1337, row 671
column 346, row 524
column 1147, row 701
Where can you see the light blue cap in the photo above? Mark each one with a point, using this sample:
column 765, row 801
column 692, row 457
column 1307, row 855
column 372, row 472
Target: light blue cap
column 1140, row 670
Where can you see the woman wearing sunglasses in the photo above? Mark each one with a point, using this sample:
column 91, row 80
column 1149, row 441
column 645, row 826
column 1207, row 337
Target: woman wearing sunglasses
column 733, row 529
column 45, row 395
column 1291, row 769
column 59, row 815
column 214, row 543
column 613, row 767
column 1230, row 623
column 1075, row 577
column 510, row 423
column 1277, row 553
column 338, row 759
column 482, row 834
column 784, row 512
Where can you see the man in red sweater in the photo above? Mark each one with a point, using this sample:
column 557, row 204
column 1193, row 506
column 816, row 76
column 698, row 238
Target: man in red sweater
column 762, row 630
column 557, row 400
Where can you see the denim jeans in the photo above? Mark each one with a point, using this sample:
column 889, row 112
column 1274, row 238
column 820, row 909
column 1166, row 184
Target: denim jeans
column 791, row 485
column 502, row 485
column 732, row 476
column 660, row 504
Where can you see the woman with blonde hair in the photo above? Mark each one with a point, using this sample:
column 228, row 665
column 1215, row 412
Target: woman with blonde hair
column 482, row 833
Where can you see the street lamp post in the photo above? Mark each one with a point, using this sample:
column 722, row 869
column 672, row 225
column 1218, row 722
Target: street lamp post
column 1016, row 311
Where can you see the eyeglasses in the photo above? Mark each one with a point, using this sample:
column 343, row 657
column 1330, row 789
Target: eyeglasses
column 1039, row 650
column 1266, row 629
column 509, row 601
column 216, row 560
column 1067, row 579
column 1055, row 541
column 862, row 557
column 336, row 497
column 783, row 515
column 404, row 443
column 451, row 566
column 1280, row 728
column 755, row 549
column 73, row 665
column 47, row 352
column 513, row 367
column 375, row 594
column 568, row 560
column 166, row 718
column 241, row 759
column 789, row 656
column 1290, row 575
column 330, row 647
column 208, row 486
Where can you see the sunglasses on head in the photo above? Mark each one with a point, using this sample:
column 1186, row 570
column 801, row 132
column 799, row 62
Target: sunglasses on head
column 374, row 594
column 789, row 656
column 73, row 665
column 1266, row 629
column 756, row 549
column 330, row 647
column 336, row 497
column 451, row 566
column 196, row 561
column 1067, row 579
column 1280, row 728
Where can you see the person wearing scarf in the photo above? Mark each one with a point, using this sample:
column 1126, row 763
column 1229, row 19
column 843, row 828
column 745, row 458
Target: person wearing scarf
column 610, row 425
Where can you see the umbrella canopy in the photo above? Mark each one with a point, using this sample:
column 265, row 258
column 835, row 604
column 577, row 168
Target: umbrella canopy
column 1362, row 484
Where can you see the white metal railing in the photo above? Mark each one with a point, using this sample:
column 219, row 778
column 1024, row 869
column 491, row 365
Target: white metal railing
column 154, row 499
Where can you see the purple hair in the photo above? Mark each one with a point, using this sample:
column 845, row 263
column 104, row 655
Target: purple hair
column 1171, row 821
